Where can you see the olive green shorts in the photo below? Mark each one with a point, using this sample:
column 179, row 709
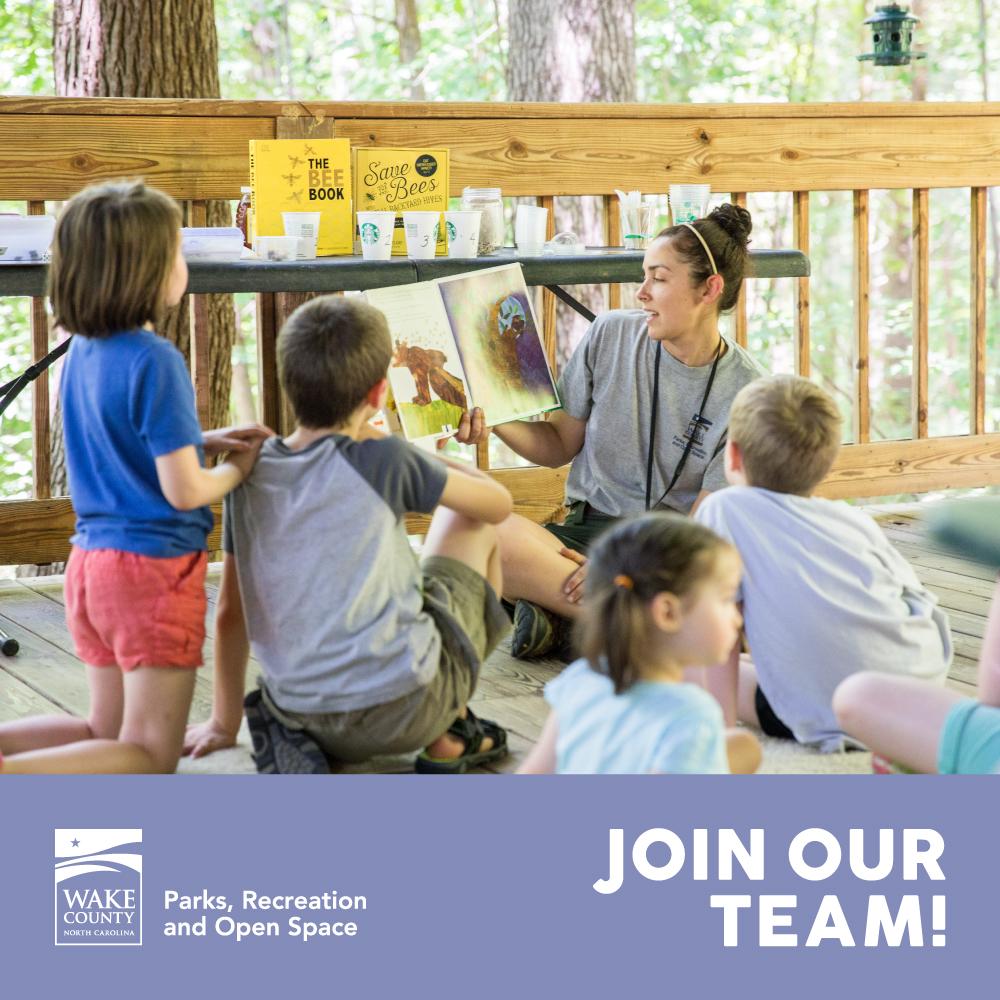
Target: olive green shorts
column 470, row 621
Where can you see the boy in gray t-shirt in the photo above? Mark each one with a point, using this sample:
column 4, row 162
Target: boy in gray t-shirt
column 364, row 651
column 824, row 593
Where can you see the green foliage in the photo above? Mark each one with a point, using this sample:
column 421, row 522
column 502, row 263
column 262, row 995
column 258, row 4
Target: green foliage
column 687, row 51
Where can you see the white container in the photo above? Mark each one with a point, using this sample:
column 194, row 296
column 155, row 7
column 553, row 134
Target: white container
column 276, row 247
column 25, row 239
column 491, row 226
column 462, row 229
column 375, row 230
column 304, row 226
column 421, row 229
column 529, row 228
column 212, row 243
column 689, row 202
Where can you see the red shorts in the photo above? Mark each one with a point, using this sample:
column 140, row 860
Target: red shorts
column 130, row 611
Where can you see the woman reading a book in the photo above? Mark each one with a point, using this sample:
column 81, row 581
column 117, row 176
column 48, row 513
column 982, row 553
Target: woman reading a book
column 645, row 400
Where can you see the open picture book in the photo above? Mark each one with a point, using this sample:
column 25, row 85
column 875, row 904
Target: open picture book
column 464, row 341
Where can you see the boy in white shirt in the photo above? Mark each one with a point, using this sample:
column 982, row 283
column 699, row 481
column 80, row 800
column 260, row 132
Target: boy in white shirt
column 824, row 593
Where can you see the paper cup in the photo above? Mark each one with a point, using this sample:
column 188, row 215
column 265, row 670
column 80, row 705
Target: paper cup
column 304, row 226
column 688, row 202
column 529, row 228
column 420, row 229
column 375, row 229
column 462, row 229
column 276, row 247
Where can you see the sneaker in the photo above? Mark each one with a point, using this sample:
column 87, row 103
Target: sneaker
column 538, row 632
column 278, row 749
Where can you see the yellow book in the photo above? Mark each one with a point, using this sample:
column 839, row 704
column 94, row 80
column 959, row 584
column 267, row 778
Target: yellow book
column 303, row 175
column 402, row 180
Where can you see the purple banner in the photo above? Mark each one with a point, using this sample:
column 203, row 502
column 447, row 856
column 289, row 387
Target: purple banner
column 374, row 886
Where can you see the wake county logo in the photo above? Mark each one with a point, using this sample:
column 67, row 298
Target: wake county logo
column 98, row 886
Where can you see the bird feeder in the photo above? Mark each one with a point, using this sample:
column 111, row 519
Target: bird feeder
column 892, row 34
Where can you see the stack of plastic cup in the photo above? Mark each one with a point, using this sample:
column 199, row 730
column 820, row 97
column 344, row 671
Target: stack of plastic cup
column 529, row 228
column 304, row 226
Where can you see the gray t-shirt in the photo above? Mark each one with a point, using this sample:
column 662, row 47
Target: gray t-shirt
column 608, row 382
column 824, row 595
column 331, row 588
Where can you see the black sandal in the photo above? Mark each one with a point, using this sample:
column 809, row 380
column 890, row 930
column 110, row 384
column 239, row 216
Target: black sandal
column 471, row 730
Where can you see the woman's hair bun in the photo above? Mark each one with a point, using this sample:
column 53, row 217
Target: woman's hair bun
column 734, row 221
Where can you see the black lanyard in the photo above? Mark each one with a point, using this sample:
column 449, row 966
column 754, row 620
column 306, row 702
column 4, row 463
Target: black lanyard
column 694, row 429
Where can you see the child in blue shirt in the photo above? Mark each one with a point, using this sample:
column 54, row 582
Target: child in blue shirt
column 660, row 597
column 135, row 595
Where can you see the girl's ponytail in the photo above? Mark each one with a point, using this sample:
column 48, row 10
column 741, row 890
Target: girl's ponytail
column 634, row 561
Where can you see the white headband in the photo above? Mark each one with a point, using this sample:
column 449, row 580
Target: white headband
column 701, row 240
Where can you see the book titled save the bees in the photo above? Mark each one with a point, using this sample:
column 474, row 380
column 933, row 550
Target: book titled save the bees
column 303, row 175
column 401, row 180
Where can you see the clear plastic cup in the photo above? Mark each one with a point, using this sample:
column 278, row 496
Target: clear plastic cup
column 375, row 229
column 529, row 228
column 276, row 247
column 638, row 224
column 420, row 229
column 462, row 229
column 689, row 202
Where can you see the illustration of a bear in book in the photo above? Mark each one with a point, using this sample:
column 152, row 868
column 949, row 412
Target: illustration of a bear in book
column 427, row 368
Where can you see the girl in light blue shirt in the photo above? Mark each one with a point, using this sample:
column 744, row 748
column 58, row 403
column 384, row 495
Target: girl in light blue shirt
column 660, row 597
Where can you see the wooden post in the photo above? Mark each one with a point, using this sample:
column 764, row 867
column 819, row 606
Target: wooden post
column 921, row 303
column 201, row 368
column 269, row 401
column 800, row 225
column 41, row 433
column 862, row 399
column 740, row 316
column 977, row 371
column 549, row 337
column 612, row 238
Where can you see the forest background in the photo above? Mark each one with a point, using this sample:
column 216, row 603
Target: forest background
column 699, row 51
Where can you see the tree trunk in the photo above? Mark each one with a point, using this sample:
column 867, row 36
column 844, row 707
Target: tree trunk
column 147, row 48
column 409, row 45
column 580, row 51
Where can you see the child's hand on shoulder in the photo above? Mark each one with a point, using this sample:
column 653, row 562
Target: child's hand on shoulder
column 233, row 439
column 245, row 459
column 204, row 738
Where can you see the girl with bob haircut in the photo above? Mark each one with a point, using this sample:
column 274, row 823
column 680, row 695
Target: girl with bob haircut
column 660, row 597
column 135, row 592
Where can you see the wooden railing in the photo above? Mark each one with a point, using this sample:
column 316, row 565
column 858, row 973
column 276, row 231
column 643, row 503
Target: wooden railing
column 197, row 150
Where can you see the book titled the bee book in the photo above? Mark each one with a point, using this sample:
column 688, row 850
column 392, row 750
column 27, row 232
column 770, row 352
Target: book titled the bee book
column 303, row 175
column 463, row 341
column 402, row 180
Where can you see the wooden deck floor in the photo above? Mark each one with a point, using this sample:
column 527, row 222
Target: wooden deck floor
column 45, row 676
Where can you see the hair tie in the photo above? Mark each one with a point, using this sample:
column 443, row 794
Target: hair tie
column 623, row 581
column 701, row 240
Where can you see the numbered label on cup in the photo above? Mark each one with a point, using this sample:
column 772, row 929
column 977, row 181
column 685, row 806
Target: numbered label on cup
column 462, row 230
column 375, row 232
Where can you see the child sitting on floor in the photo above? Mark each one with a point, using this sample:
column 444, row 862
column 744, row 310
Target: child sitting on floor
column 660, row 596
column 923, row 727
column 135, row 592
column 364, row 651
column 824, row 593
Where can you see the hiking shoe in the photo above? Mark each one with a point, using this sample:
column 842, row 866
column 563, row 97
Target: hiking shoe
column 538, row 632
column 278, row 749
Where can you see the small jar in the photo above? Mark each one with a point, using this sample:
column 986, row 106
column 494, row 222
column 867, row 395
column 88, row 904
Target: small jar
column 489, row 203
column 243, row 210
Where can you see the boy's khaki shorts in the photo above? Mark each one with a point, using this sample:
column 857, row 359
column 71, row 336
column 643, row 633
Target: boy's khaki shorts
column 471, row 621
